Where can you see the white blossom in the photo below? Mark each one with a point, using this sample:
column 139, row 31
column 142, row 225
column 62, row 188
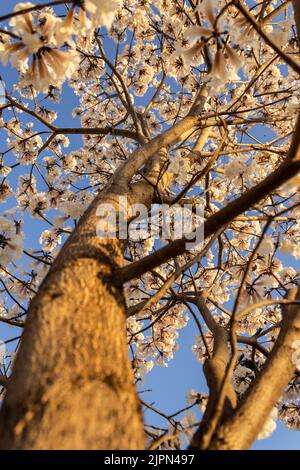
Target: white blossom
column 269, row 426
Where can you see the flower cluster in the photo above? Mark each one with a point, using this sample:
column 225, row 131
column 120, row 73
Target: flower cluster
column 215, row 36
column 45, row 52
column 11, row 241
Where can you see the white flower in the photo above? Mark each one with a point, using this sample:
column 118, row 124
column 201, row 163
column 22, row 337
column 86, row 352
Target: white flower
column 64, row 30
column 142, row 367
column 234, row 58
column 5, row 191
column 199, row 349
column 148, row 245
column 4, row 170
column 195, row 32
column 22, row 23
column 11, row 242
column 290, row 247
column 242, row 378
column 36, row 54
column 102, row 11
column 38, row 203
column 207, row 7
column 74, row 205
column 280, row 35
column 195, row 397
column 234, row 169
column 267, row 246
column 211, row 36
column 269, row 426
column 50, row 239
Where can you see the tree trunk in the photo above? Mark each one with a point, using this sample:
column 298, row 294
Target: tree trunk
column 72, row 384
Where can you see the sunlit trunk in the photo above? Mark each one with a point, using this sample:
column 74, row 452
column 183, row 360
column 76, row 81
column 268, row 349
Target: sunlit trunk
column 72, row 385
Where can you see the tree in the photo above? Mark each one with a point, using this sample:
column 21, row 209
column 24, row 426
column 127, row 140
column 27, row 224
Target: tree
column 183, row 105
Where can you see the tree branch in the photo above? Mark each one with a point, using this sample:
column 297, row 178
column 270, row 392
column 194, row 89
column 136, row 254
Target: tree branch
column 294, row 65
column 34, row 8
column 242, row 428
column 3, row 381
column 287, row 170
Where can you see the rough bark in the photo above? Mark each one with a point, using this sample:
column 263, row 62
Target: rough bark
column 72, row 384
column 214, row 371
column 241, row 430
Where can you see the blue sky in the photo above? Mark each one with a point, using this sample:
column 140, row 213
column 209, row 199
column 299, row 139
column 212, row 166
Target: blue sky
column 168, row 385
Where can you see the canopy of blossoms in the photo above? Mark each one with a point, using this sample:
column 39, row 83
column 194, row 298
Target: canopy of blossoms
column 135, row 68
